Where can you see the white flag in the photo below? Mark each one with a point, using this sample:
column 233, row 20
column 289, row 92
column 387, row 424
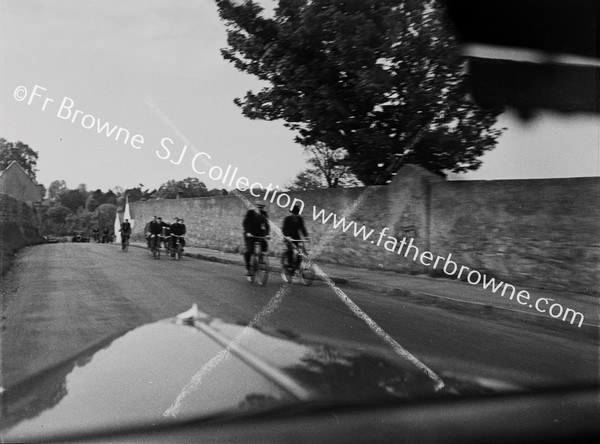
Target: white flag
column 117, row 228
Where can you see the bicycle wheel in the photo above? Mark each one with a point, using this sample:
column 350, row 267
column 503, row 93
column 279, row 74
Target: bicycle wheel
column 178, row 252
column 263, row 270
column 286, row 271
column 253, row 271
column 307, row 274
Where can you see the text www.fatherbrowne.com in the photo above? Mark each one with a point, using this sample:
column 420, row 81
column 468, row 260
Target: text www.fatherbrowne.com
column 406, row 247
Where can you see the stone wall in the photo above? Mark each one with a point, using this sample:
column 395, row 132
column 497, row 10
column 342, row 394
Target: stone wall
column 18, row 227
column 212, row 222
column 538, row 233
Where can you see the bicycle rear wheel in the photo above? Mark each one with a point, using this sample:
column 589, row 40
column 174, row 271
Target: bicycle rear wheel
column 286, row 271
column 307, row 274
column 253, row 270
column 263, row 270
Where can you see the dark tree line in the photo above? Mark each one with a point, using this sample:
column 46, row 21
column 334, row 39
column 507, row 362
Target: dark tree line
column 66, row 210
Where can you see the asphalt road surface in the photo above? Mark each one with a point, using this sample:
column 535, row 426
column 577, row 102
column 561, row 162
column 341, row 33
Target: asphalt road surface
column 62, row 298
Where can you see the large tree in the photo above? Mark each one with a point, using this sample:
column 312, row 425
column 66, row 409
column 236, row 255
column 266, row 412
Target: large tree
column 380, row 79
column 19, row 152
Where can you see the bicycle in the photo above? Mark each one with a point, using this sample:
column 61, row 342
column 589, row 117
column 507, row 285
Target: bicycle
column 125, row 242
column 259, row 263
column 289, row 270
column 175, row 250
column 154, row 246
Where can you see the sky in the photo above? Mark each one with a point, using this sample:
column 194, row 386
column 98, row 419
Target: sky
column 153, row 69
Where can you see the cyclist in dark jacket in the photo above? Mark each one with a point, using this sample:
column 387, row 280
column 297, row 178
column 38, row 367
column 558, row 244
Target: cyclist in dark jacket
column 155, row 226
column 256, row 224
column 155, row 229
column 293, row 227
column 177, row 229
column 125, row 232
column 126, row 228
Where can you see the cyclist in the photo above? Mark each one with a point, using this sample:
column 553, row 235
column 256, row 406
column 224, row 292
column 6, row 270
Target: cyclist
column 256, row 224
column 177, row 229
column 155, row 230
column 125, row 232
column 293, row 228
column 166, row 232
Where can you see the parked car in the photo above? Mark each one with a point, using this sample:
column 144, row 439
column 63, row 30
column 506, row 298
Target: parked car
column 80, row 236
column 51, row 239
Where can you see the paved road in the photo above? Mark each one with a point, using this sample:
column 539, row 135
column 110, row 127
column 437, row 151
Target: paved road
column 62, row 298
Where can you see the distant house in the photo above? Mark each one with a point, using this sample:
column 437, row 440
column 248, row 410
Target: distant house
column 15, row 182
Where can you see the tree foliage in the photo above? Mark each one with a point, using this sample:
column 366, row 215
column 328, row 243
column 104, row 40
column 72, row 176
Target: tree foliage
column 139, row 193
column 91, row 203
column 19, row 152
column 105, row 215
column 331, row 166
column 308, row 179
column 67, row 210
column 188, row 187
column 379, row 79
column 58, row 213
column 328, row 170
column 73, row 199
column 56, row 188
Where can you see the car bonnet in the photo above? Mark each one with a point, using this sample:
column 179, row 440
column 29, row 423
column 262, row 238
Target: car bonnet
column 200, row 367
